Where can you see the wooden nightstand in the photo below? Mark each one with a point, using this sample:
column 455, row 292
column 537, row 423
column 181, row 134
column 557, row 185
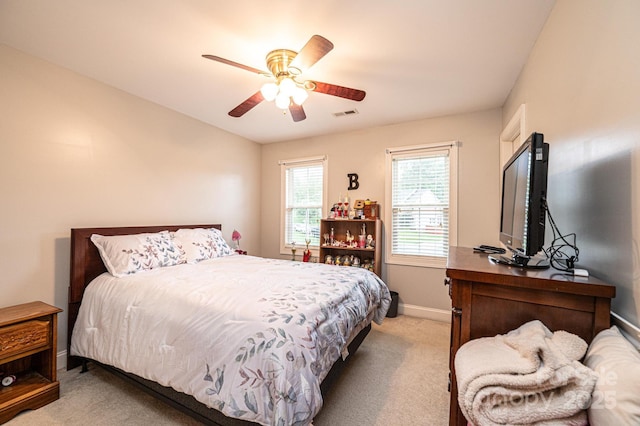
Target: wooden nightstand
column 28, row 338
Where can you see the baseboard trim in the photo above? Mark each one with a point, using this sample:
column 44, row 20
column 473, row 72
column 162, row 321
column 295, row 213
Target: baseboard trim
column 61, row 360
column 422, row 312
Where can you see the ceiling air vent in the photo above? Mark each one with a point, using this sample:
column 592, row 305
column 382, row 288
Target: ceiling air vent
column 345, row 113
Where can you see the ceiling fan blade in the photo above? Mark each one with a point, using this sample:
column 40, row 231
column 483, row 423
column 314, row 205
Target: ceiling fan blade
column 244, row 107
column 297, row 112
column 312, row 52
column 340, row 91
column 235, row 64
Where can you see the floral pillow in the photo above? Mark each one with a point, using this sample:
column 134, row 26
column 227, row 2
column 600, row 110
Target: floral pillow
column 128, row 254
column 200, row 244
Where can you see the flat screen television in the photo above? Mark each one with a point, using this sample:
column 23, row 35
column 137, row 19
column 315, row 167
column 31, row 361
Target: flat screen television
column 523, row 210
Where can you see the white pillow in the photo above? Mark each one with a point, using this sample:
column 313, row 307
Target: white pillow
column 128, row 254
column 200, row 244
column 616, row 397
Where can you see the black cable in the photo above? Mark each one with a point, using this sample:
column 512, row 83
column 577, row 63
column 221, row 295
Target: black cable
column 562, row 253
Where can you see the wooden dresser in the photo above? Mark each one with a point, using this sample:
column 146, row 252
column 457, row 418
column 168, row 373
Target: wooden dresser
column 489, row 299
column 28, row 337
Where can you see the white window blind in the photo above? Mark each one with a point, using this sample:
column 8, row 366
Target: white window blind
column 420, row 216
column 303, row 185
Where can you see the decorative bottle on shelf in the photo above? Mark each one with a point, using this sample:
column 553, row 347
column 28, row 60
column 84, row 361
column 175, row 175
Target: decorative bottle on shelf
column 331, row 237
column 345, row 212
column 306, row 255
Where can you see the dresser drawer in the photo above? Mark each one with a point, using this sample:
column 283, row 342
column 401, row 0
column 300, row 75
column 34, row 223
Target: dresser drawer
column 23, row 337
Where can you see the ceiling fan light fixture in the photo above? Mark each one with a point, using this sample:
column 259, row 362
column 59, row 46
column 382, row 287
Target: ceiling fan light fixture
column 283, row 101
column 269, row 91
column 299, row 95
column 287, row 87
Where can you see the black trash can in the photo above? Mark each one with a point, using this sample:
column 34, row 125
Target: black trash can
column 393, row 308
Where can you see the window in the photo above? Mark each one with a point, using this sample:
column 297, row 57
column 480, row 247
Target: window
column 421, row 221
column 303, row 199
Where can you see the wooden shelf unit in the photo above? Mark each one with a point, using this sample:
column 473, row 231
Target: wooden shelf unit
column 28, row 340
column 489, row 299
column 373, row 227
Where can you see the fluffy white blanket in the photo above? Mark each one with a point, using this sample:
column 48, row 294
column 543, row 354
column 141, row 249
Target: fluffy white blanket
column 525, row 377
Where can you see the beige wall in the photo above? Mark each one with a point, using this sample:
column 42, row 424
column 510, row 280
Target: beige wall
column 581, row 87
column 77, row 153
column 363, row 152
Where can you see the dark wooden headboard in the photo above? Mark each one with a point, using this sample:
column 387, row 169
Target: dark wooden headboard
column 86, row 264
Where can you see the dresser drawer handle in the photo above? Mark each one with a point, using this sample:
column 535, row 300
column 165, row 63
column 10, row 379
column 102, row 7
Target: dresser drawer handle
column 447, row 281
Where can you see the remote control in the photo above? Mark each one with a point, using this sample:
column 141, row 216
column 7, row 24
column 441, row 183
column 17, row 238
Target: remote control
column 489, row 249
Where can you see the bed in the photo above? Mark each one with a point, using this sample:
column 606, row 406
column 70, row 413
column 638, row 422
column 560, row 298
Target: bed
column 252, row 341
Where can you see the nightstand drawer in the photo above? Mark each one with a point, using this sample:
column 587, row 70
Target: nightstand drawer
column 23, row 337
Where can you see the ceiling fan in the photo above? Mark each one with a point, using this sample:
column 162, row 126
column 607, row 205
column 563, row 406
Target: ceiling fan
column 285, row 66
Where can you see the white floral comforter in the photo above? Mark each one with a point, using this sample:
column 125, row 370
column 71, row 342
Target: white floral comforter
column 251, row 337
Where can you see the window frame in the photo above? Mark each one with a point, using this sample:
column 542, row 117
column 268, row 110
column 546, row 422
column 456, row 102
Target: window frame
column 285, row 246
column 405, row 151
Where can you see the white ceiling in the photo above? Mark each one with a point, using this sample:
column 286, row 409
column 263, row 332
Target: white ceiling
column 415, row 58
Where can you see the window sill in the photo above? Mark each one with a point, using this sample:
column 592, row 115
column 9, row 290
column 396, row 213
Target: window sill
column 417, row 261
column 315, row 252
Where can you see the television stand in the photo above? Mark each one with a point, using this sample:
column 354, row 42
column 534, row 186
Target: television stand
column 489, row 299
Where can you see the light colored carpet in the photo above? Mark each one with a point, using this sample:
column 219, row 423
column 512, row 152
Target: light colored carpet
column 397, row 377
